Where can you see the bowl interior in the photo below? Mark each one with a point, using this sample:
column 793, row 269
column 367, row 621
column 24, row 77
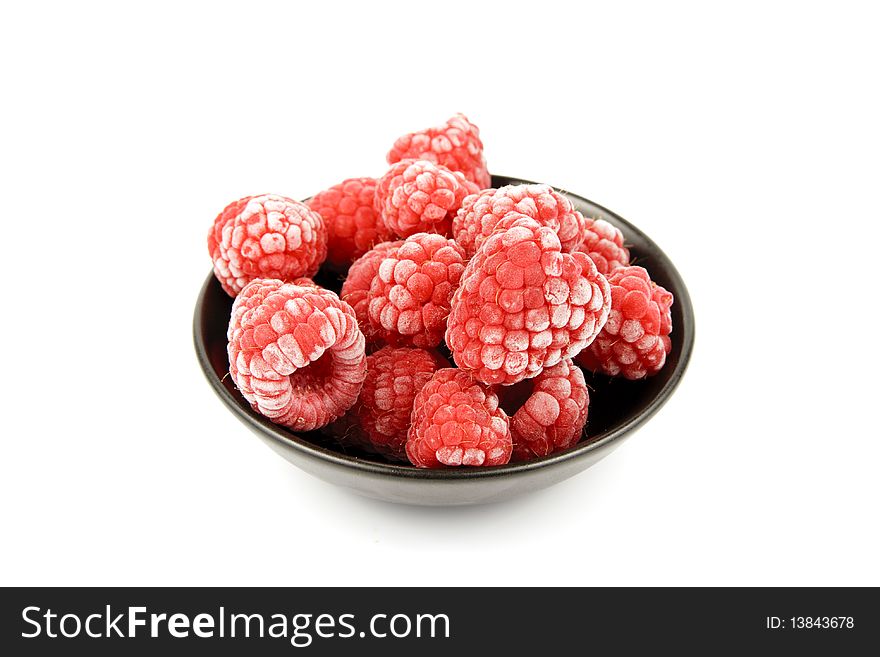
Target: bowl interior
column 616, row 405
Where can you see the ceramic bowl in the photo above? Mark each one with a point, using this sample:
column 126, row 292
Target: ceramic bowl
column 617, row 407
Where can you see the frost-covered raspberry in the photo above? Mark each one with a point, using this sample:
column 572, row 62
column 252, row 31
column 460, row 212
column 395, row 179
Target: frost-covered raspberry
column 523, row 305
column 635, row 339
column 456, row 145
column 411, row 293
column 295, row 352
column 394, row 377
column 480, row 215
column 547, row 413
column 604, row 244
column 266, row 236
column 417, row 196
column 356, row 287
column 353, row 225
column 457, row 421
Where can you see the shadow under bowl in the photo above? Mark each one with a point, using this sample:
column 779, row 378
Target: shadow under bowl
column 617, row 407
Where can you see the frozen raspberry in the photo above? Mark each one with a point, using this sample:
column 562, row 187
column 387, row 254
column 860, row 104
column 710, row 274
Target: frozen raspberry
column 480, row 215
column 604, row 244
column 295, row 352
column 394, row 377
column 266, row 236
column 455, row 144
column 417, row 196
column 523, row 305
column 353, row 225
column 411, row 293
column 457, row 421
column 356, row 287
column 547, row 413
column 635, row 340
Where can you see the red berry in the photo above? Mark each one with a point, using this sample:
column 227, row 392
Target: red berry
column 480, row 215
column 547, row 413
column 411, row 293
column 356, row 287
column 353, row 225
column 455, row 144
column 604, row 244
column 394, row 377
column 457, row 421
column 523, row 305
column 635, row 340
column 295, row 352
column 417, row 196
column 266, row 236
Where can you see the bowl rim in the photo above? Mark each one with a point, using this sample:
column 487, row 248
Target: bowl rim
column 290, row 440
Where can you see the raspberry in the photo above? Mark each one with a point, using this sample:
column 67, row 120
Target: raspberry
column 455, row 144
column 457, row 421
column 523, row 305
column 394, row 377
column 353, row 225
column 604, row 244
column 479, row 215
column 419, row 196
column 295, row 352
column 411, row 293
column 547, row 413
column 265, row 236
column 635, row 340
column 356, row 287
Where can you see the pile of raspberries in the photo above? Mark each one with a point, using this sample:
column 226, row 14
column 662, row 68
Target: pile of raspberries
column 465, row 316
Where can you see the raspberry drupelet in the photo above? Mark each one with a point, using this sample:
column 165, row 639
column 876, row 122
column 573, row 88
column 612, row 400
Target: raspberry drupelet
column 295, row 352
column 523, row 305
column 455, row 144
column 634, row 342
column 383, row 410
column 266, row 236
column 548, row 413
column 457, row 421
column 480, row 214
column 353, row 225
column 411, row 293
column 417, row 196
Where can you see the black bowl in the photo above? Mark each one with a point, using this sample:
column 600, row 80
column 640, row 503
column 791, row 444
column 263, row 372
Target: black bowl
column 617, row 407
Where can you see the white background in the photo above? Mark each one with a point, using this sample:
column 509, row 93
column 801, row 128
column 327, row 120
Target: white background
column 743, row 139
